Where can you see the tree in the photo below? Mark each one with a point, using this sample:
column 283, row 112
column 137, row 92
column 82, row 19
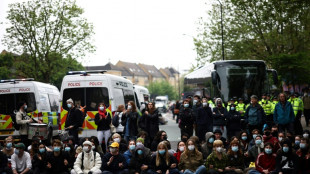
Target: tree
column 162, row 88
column 6, row 66
column 45, row 31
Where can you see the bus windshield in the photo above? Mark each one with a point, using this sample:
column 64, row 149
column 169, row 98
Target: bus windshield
column 241, row 80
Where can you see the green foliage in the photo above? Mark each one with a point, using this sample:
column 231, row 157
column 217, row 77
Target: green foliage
column 162, row 88
column 255, row 29
column 6, row 65
column 46, row 32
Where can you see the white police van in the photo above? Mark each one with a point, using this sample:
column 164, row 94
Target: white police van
column 142, row 95
column 88, row 89
column 42, row 100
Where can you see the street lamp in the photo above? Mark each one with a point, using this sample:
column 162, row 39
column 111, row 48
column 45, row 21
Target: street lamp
column 222, row 29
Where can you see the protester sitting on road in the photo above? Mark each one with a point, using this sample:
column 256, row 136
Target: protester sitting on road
column 303, row 156
column 34, row 147
column 146, row 139
column 254, row 132
column 235, row 158
column 244, row 141
column 191, row 160
column 207, row 147
column 256, row 149
column 217, row 161
column 160, row 136
column 170, row 151
column 306, row 134
column 268, row 138
column 297, row 142
column 21, row 161
column 57, row 161
column 88, row 161
column 218, row 136
column 266, row 161
column 71, row 155
column 39, row 162
column 8, row 149
column 140, row 161
column 162, row 161
column 113, row 162
column 122, row 144
column 179, row 151
column 286, row 160
column 96, row 147
column 131, row 150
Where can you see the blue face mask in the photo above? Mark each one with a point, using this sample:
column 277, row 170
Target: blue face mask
column 186, row 105
column 234, row 148
column 211, row 140
column 258, row 142
column 302, row 145
column 42, row 150
column 232, row 108
column 69, row 106
column 254, row 136
column 56, row 149
column 67, row 149
column 268, row 151
column 16, row 151
column 140, row 152
column 244, row 138
column 286, row 149
column 297, row 142
column 9, row 145
column 162, row 152
column 132, row 147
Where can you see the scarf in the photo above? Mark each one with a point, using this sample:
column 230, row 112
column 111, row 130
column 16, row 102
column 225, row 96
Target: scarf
column 102, row 113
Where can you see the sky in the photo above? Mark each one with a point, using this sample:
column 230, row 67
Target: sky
column 157, row 32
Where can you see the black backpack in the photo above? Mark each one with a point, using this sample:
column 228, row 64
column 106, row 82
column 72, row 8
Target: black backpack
column 16, row 126
column 82, row 166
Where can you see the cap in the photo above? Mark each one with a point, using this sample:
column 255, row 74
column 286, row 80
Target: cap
column 254, row 96
column 70, row 100
column 114, row 144
column 240, row 99
column 87, row 143
column 139, row 146
column 140, row 139
column 20, row 145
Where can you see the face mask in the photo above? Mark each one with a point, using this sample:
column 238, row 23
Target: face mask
column 254, row 136
column 25, row 107
column 232, row 108
column 101, row 108
column 162, row 152
column 16, row 151
column 219, row 149
column 267, row 133
column 67, row 149
column 165, row 138
column 280, row 138
column 191, row 147
column 138, row 143
column 211, row 140
column 129, row 107
column 42, row 150
column 297, row 142
column 85, row 149
column 305, row 135
column 93, row 147
column 56, row 149
column 234, row 148
column 204, row 104
column 274, row 133
column 117, row 140
column 181, row 148
column 302, row 145
column 9, row 145
column 186, row 105
column 244, row 138
column 140, row 152
column 112, row 150
column 258, row 142
column 132, row 147
column 194, row 101
column 69, row 106
column 268, row 151
column 285, row 149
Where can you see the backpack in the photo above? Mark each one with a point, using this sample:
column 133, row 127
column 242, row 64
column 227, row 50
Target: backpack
column 115, row 120
column 82, row 166
column 16, row 126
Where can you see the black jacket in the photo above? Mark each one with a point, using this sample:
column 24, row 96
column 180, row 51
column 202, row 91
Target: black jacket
column 74, row 118
column 204, row 117
column 4, row 163
column 57, row 162
column 39, row 166
column 114, row 166
column 133, row 125
column 136, row 162
column 152, row 122
column 218, row 118
column 234, row 121
column 289, row 160
column 163, row 167
column 187, row 117
column 104, row 123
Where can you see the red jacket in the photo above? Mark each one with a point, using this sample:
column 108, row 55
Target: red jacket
column 273, row 140
column 177, row 155
column 265, row 162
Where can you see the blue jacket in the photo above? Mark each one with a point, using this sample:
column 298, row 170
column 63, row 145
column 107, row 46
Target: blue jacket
column 283, row 115
column 260, row 114
column 128, row 156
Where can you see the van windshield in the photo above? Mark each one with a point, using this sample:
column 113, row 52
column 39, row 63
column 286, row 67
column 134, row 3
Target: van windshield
column 9, row 102
column 89, row 97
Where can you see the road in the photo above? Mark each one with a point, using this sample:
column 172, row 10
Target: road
column 172, row 130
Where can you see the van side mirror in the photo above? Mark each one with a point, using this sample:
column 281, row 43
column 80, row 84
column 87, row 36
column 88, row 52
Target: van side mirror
column 214, row 77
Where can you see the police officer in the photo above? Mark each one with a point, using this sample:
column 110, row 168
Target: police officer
column 74, row 120
column 267, row 109
column 297, row 107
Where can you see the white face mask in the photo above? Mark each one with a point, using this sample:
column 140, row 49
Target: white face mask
column 219, row 149
column 101, row 108
column 86, row 149
column 191, row 147
column 181, row 148
column 305, row 135
column 93, row 147
column 117, row 140
column 129, row 107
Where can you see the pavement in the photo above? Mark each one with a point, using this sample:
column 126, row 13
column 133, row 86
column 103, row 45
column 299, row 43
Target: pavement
column 174, row 133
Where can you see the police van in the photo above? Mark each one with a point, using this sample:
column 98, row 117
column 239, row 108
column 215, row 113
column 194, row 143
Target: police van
column 42, row 100
column 88, row 89
column 142, row 95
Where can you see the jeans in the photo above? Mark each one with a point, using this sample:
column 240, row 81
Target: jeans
column 200, row 170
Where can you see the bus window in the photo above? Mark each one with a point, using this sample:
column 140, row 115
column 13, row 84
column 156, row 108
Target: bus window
column 7, row 105
column 54, row 102
column 28, row 98
column 94, row 96
column 128, row 96
column 77, row 95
